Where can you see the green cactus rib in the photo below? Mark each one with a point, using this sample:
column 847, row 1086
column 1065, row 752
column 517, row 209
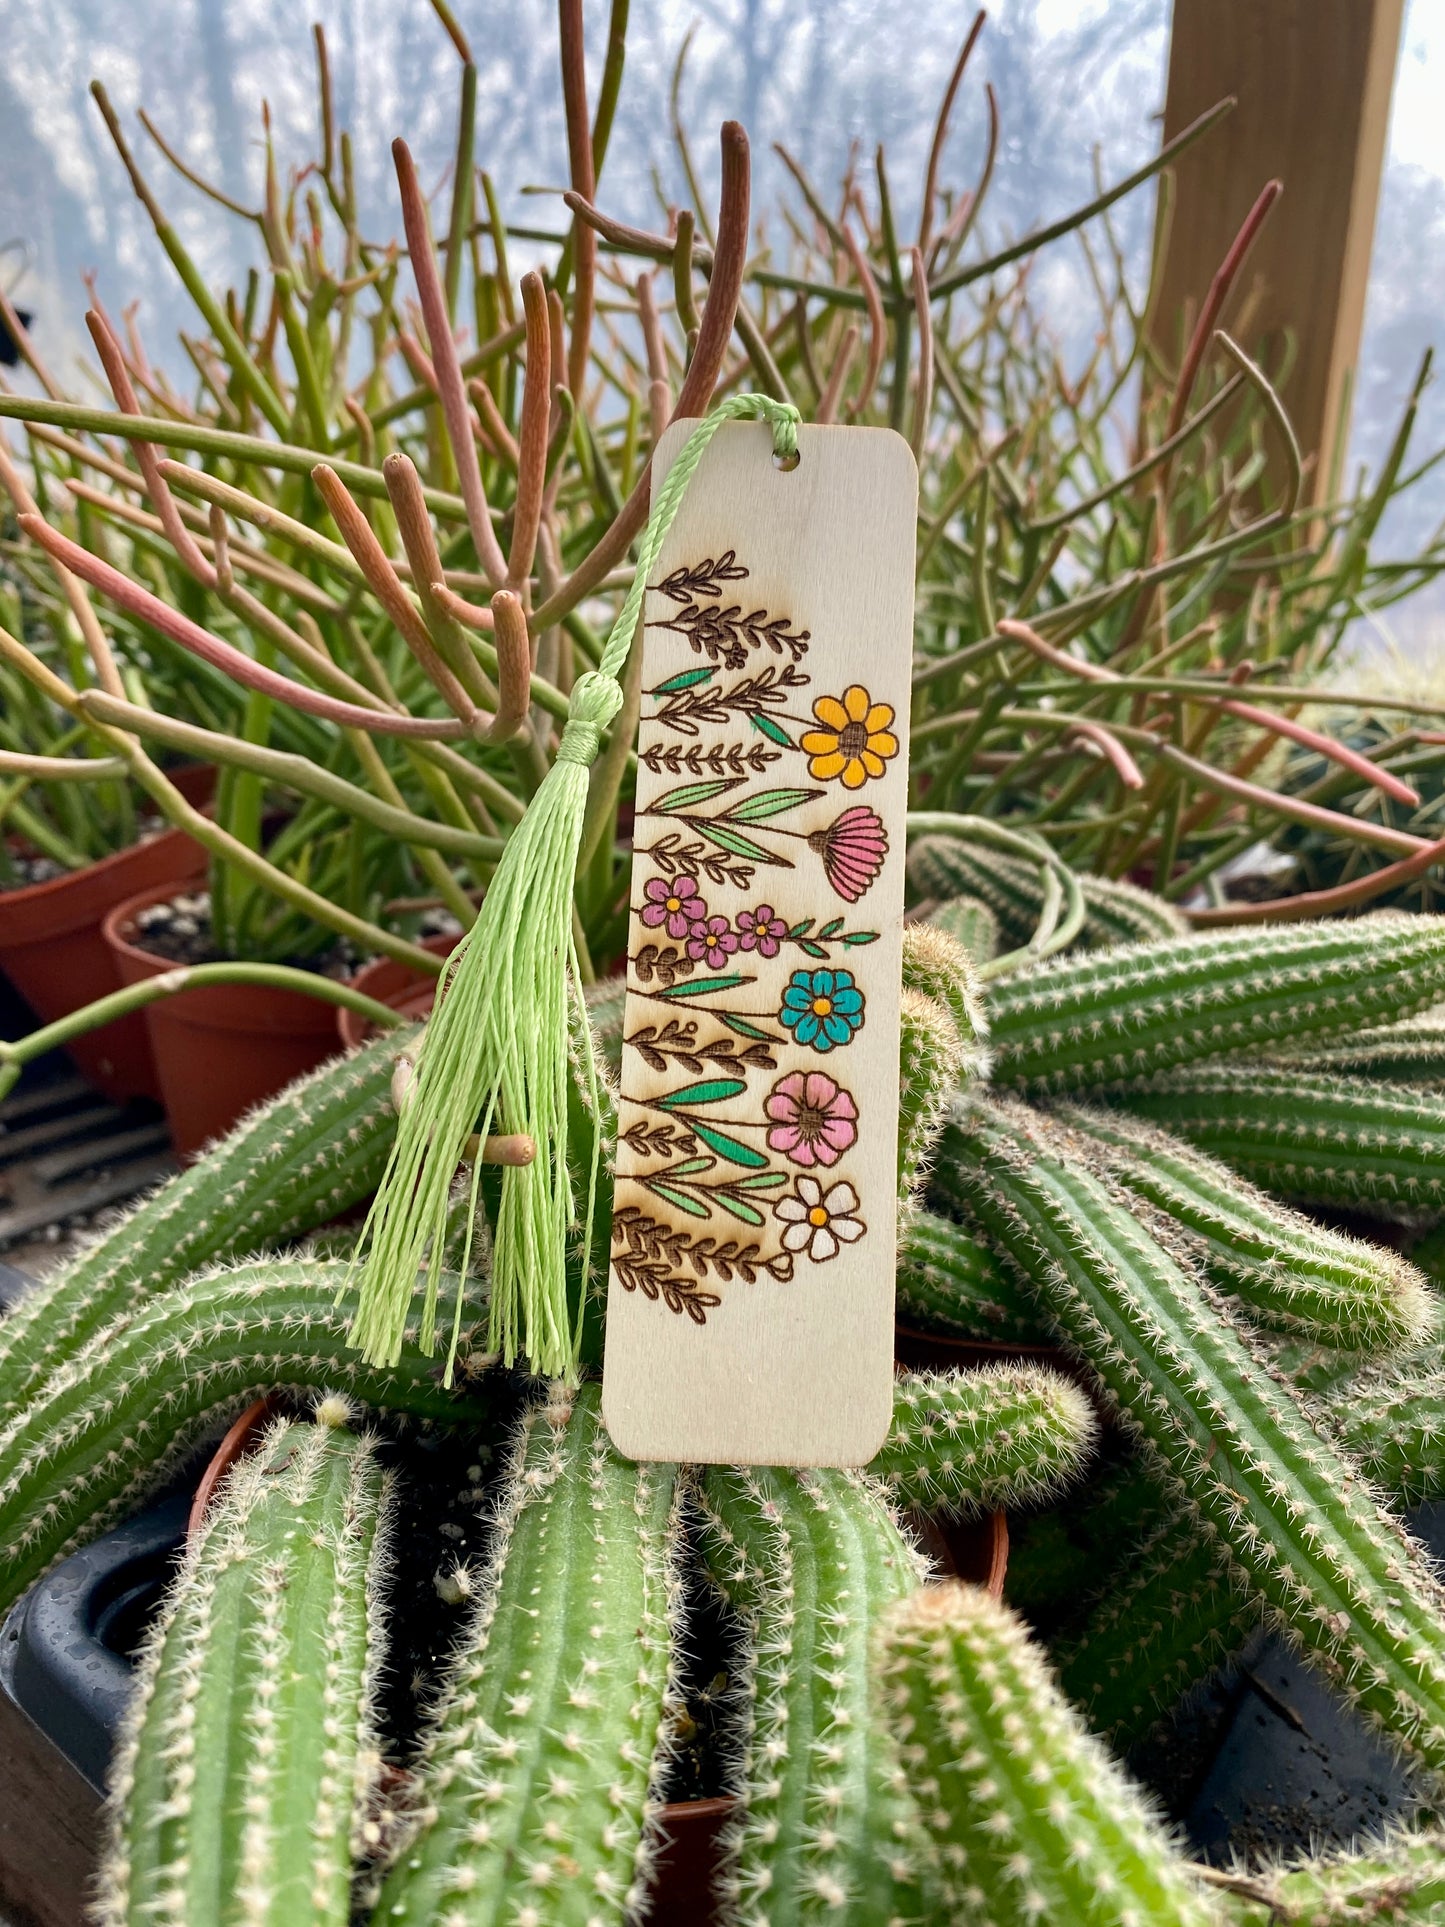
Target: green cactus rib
column 116, row 1418
column 938, row 966
column 1031, row 1818
column 928, row 1057
column 1291, row 1513
column 537, row 1781
column 1412, row 1052
column 287, row 1167
column 1115, row 911
column 1163, row 1625
column 1096, row 1022
column 970, row 1442
column 970, row 922
column 1290, row 1274
column 810, row 1559
column 948, row 1281
column 1398, row 1882
column 1391, row 1422
column 248, row 1745
column 1326, row 1140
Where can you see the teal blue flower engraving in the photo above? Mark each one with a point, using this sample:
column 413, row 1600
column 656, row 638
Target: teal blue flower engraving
column 822, row 1007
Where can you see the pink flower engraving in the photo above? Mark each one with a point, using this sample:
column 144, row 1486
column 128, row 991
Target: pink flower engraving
column 675, row 903
column 814, row 1119
column 852, row 848
column 762, row 930
column 711, row 943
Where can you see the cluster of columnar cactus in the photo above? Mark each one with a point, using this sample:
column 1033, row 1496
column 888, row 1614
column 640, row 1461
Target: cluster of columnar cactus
column 897, row 1752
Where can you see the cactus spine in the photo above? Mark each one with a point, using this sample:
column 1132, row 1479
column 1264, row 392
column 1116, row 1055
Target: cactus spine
column 810, row 1559
column 1291, row 1275
column 1166, row 1623
column 1289, row 1511
column 1031, row 1818
column 1006, row 1435
column 1101, row 1021
column 247, row 1747
column 1116, row 912
column 950, row 1282
column 287, row 1167
column 1392, row 1423
column 1399, row 1881
column 1412, row 1052
column 112, row 1422
column 539, row 1761
column 1333, row 1140
column 970, row 922
column 937, row 966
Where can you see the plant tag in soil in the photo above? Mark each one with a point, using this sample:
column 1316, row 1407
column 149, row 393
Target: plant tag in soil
column 750, row 1301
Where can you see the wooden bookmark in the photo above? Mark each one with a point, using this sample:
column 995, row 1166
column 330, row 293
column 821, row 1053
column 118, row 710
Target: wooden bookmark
column 750, row 1301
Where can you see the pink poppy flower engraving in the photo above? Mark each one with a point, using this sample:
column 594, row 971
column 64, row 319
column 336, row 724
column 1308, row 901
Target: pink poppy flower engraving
column 711, row 943
column 675, row 903
column 814, row 1119
column 818, row 1223
column 852, row 848
column 762, row 930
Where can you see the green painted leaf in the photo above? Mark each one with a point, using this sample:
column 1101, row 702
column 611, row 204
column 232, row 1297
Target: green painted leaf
column 765, row 803
column 705, row 988
column 811, row 949
column 738, row 1208
column 692, row 1206
column 689, row 679
column 728, row 1147
column 689, row 1167
column 733, row 841
column 801, row 929
column 714, row 1090
column 692, row 794
column 774, row 732
column 761, row 1181
column 832, row 927
column 861, row 936
column 744, row 1027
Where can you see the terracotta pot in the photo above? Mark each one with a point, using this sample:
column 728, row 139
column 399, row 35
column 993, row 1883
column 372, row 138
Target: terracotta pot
column 688, row 1862
column 235, row 1445
column 397, row 985
column 52, row 950
column 223, row 1048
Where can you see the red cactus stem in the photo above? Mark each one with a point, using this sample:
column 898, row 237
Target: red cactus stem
column 1225, row 276
column 940, row 131
column 1104, row 739
column 584, row 182
column 838, row 375
column 923, row 395
column 877, row 323
column 455, row 413
column 221, row 655
column 534, row 434
column 514, row 665
column 496, row 435
column 725, row 286
column 651, row 324
column 96, row 643
column 1322, row 903
column 147, row 455
column 403, row 486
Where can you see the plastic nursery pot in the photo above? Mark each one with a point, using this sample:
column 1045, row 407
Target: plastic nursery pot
column 53, row 952
column 397, row 985
column 220, row 1049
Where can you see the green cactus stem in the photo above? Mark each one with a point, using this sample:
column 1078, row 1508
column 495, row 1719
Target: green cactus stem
column 938, row 966
column 248, row 1745
column 537, row 1795
column 1031, row 1818
column 1325, row 1140
column 1162, row 1625
column 810, row 1559
column 1097, row 1022
column 1412, row 1052
column 970, row 922
column 1396, row 1882
column 1115, row 911
column 289, row 1166
column 928, row 1061
column 999, row 1436
column 113, row 1421
column 1391, row 1422
column 950, row 1282
column 1287, row 1509
column 1290, row 1274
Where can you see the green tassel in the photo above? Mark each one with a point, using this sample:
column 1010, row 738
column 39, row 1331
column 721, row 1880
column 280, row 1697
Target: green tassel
column 495, row 1055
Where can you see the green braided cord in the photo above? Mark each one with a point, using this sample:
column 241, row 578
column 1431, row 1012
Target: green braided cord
column 495, row 1055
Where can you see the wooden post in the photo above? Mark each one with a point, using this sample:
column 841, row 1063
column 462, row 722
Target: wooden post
column 1313, row 81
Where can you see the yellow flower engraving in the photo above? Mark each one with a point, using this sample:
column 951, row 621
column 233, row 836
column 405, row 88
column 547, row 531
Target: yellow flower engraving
column 855, row 740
